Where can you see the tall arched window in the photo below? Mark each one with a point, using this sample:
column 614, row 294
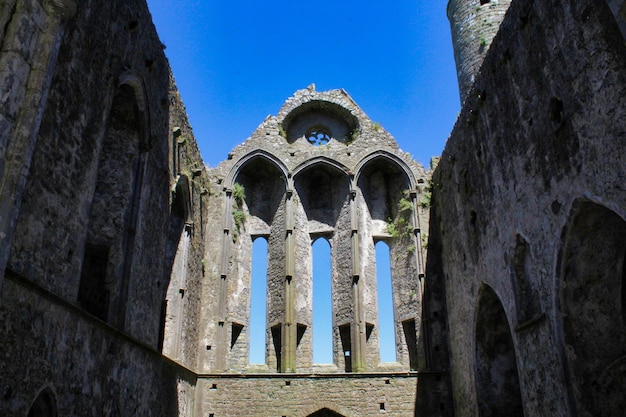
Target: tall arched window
column 322, row 303
column 258, row 301
column 386, row 322
column 107, row 260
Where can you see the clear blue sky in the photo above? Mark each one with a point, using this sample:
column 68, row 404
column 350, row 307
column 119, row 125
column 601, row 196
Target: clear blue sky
column 236, row 62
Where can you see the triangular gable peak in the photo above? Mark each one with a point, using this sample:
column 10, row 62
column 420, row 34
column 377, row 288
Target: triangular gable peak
column 319, row 124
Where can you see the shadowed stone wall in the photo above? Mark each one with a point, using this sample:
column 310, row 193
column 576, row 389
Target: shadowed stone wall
column 93, row 208
column 536, row 161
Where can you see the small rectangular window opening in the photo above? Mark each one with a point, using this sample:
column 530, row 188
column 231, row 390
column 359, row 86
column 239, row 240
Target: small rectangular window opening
column 382, row 406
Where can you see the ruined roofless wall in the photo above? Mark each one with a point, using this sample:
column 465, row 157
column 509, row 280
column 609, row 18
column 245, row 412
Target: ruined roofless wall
column 344, row 191
column 540, row 141
column 108, row 56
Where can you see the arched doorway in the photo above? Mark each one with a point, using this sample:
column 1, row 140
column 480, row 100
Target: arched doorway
column 592, row 304
column 497, row 378
column 325, row 412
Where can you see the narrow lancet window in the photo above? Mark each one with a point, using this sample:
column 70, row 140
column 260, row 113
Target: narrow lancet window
column 258, row 301
column 322, row 303
column 386, row 322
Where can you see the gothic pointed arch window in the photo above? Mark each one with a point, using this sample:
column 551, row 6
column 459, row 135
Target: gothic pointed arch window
column 44, row 405
column 108, row 256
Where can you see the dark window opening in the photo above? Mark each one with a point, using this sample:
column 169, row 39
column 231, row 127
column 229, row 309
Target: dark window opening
column 276, row 339
column 410, row 335
column 484, row 2
column 93, row 295
column 301, row 331
column 369, row 328
column 44, row 405
column 346, row 340
column 236, row 330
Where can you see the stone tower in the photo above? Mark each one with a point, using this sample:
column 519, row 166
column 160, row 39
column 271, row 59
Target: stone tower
column 474, row 24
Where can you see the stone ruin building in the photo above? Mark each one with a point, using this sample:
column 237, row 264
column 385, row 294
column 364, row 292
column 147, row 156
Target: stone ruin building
column 125, row 264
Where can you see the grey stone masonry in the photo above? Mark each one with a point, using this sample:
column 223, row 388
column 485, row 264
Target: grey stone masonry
column 354, row 189
column 473, row 24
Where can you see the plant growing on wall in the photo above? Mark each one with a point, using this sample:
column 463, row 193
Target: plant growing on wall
column 401, row 227
column 239, row 215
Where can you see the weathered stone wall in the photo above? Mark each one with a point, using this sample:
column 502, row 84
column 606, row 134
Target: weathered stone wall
column 300, row 396
column 185, row 254
column 91, row 368
column 314, row 192
column 91, row 132
column 29, row 45
column 538, row 146
column 56, row 207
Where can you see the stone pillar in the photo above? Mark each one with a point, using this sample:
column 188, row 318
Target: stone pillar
column 221, row 336
column 358, row 327
column 422, row 335
column 290, row 328
column 26, row 70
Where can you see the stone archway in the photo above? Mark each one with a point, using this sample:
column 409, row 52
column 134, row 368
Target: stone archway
column 497, row 377
column 44, row 405
column 325, row 412
column 592, row 280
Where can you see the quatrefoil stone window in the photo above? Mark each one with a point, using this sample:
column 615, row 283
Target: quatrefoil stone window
column 318, row 136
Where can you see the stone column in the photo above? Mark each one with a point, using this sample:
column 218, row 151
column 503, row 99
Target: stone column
column 290, row 328
column 221, row 336
column 423, row 340
column 27, row 68
column 358, row 329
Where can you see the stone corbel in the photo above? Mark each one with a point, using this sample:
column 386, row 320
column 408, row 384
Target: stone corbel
column 63, row 9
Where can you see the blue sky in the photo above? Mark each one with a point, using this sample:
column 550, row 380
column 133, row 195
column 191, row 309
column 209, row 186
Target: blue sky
column 237, row 62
